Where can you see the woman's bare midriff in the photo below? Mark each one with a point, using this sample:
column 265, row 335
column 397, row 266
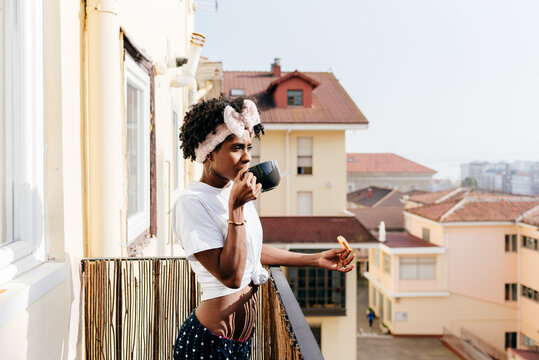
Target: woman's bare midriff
column 232, row 316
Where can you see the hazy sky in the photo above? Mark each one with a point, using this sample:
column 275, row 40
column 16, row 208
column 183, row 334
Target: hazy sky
column 441, row 82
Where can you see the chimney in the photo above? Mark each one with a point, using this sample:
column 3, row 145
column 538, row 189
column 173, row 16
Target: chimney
column 369, row 193
column 382, row 232
column 276, row 67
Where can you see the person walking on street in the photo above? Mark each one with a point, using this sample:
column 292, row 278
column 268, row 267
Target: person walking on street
column 370, row 315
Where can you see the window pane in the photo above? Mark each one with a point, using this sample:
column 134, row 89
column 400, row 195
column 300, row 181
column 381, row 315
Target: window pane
column 133, row 147
column 426, row 268
column 6, row 222
column 305, row 203
column 305, row 146
column 408, row 268
column 295, row 97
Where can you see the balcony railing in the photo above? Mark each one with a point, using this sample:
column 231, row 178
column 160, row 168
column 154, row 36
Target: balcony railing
column 134, row 307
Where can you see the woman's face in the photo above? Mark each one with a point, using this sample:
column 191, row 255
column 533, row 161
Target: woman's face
column 233, row 155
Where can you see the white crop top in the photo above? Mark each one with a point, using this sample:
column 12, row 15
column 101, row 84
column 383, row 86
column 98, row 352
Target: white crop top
column 199, row 220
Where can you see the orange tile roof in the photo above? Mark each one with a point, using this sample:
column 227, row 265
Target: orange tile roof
column 383, row 163
column 472, row 209
column 459, row 194
column 405, row 240
column 313, row 229
column 532, row 218
column 331, row 104
column 525, row 354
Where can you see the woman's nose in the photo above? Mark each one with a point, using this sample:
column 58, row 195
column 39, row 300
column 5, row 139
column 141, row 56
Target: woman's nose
column 246, row 156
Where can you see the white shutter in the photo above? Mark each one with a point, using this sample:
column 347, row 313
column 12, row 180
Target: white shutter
column 305, row 203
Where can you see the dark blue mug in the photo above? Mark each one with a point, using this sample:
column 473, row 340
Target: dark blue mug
column 267, row 174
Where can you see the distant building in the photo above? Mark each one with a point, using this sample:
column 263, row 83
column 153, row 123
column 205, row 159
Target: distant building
column 520, row 177
column 386, row 170
column 466, row 268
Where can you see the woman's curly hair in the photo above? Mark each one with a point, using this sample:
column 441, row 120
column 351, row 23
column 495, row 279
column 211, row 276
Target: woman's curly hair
column 203, row 118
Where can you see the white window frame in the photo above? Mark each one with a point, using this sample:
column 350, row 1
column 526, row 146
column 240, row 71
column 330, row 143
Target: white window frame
column 24, row 116
column 387, row 263
column 135, row 76
column 305, row 193
column 304, row 152
column 417, row 268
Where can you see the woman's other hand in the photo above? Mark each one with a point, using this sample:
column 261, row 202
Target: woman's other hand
column 336, row 259
column 244, row 189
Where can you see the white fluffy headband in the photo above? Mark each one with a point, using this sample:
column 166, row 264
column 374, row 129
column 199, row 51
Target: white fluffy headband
column 235, row 123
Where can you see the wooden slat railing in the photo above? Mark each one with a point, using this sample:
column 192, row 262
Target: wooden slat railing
column 134, row 307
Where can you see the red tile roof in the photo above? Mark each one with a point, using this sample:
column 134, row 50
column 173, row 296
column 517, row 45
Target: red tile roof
column 383, row 163
column 532, row 218
column 476, row 210
column 314, row 229
column 525, row 354
column 331, row 104
column 459, row 194
column 369, row 196
column 296, row 73
column 392, row 217
column 405, row 240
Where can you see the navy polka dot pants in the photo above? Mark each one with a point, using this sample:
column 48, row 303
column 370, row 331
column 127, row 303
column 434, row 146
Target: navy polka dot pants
column 196, row 342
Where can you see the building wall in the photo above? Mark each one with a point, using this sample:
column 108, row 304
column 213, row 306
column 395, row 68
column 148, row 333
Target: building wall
column 27, row 334
column 327, row 183
column 338, row 333
column 529, row 268
column 400, row 181
column 480, row 250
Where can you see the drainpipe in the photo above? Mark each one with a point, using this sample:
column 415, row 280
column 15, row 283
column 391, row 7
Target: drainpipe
column 288, row 172
column 105, row 168
column 187, row 76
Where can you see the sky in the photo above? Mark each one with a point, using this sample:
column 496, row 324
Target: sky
column 441, row 82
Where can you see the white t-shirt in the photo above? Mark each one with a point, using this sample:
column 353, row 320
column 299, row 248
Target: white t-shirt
column 200, row 222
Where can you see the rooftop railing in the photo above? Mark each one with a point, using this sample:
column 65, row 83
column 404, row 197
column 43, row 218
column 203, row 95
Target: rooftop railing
column 134, row 307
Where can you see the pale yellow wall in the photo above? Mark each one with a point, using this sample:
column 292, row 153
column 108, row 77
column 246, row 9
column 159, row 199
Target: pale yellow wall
column 327, row 183
column 42, row 331
column 429, row 316
column 28, row 334
column 414, row 225
column 339, row 333
column 529, row 270
column 480, row 251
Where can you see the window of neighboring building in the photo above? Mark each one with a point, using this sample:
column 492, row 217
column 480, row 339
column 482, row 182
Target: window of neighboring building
column 510, row 340
column 510, row 292
column 350, row 187
column 318, row 290
column 305, row 155
column 389, row 310
column 350, row 159
column 530, row 243
column 387, row 263
column 137, row 100
column 237, row 92
column 426, row 234
column 305, row 203
column 510, row 242
column 373, row 294
column 413, row 268
column 376, row 257
column 528, row 342
column 530, row 293
column 295, row 97
column 22, row 197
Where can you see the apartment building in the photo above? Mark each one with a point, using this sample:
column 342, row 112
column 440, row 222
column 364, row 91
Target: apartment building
column 92, row 94
column 465, row 268
column 306, row 115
